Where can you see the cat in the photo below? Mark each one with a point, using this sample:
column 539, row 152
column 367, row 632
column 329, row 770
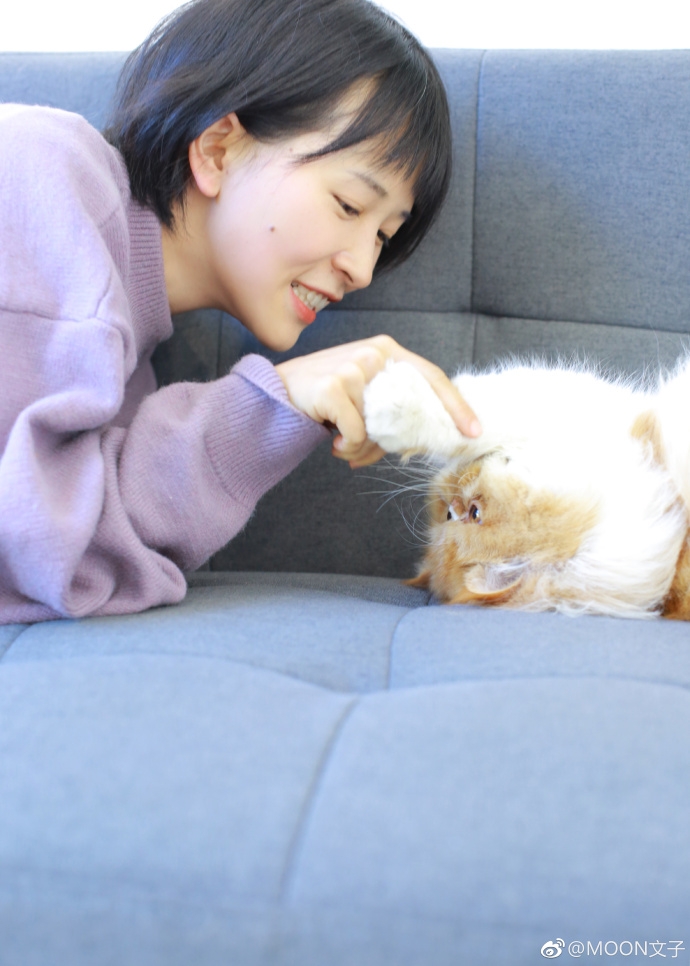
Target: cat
column 575, row 497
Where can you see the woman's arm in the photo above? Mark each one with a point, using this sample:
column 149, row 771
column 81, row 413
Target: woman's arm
column 96, row 517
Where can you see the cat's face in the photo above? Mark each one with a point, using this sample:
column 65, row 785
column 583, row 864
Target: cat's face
column 597, row 538
column 565, row 502
column 493, row 533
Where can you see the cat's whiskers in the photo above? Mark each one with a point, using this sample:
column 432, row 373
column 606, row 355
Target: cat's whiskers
column 424, row 536
column 406, row 494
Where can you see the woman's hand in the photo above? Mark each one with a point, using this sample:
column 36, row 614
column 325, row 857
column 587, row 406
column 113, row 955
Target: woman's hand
column 328, row 386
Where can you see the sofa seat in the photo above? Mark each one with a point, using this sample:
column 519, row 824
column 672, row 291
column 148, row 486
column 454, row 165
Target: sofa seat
column 313, row 769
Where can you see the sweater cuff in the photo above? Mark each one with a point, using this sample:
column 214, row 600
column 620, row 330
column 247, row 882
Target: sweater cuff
column 262, row 373
column 261, row 436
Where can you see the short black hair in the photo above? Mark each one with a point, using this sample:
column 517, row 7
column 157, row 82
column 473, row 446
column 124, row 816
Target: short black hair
column 283, row 66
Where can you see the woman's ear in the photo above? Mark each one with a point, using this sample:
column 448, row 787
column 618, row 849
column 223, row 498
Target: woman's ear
column 213, row 150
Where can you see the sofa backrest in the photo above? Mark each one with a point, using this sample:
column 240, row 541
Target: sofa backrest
column 566, row 233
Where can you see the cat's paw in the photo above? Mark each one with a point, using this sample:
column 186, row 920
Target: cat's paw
column 404, row 415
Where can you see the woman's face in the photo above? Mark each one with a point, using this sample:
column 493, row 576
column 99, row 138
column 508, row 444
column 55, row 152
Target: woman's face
column 284, row 238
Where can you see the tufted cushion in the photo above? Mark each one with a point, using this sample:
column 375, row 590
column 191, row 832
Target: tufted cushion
column 303, row 770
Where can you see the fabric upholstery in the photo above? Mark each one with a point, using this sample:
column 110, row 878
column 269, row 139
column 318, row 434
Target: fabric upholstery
column 581, row 172
column 80, row 82
column 222, row 781
column 565, row 237
column 306, row 762
column 549, row 236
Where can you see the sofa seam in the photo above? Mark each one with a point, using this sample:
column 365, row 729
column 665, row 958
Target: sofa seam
column 296, row 844
column 391, row 646
column 473, row 267
column 547, row 676
column 14, row 640
column 224, row 659
column 665, row 682
column 547, row 320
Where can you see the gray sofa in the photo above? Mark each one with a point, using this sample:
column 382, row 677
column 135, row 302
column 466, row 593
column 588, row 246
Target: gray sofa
column 308, row 763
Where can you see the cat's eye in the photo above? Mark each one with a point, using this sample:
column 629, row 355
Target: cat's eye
column 474, row 512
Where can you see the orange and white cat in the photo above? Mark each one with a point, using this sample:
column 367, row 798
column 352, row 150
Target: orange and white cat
column 575, row 498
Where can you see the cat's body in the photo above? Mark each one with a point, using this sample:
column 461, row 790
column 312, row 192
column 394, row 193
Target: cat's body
column 575, row 497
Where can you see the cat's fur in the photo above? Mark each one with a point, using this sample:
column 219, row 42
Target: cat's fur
column 574, row 498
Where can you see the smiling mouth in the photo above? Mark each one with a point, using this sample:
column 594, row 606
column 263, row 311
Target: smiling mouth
column 313, row 300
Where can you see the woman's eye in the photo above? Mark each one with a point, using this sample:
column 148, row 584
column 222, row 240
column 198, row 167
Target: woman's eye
column 348, row 209
column 383, row 238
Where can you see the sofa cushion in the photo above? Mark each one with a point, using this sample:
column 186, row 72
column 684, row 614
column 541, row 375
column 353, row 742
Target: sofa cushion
column 582, row 187
column 301, row 770
column 81, row 82
column 291, row 624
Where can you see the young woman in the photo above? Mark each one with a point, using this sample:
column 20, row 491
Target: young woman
column 264, row 157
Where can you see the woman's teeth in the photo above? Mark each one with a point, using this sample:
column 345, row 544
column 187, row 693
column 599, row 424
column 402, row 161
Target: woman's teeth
column 309, row 297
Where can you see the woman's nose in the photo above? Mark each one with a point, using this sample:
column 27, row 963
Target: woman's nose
column 357, row 264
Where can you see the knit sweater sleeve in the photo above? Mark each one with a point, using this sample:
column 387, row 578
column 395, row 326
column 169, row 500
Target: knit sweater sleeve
column 183, row 479
column 95, row 517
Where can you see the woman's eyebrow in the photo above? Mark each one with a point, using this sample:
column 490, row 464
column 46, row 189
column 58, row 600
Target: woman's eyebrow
column 375, row 187
column 371, row 182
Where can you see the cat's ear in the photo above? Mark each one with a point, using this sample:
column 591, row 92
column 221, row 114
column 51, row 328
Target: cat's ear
column 646, row 429
column 421, row 580
column 489, row 584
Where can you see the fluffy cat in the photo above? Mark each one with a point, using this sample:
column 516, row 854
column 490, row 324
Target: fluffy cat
column 575, row 498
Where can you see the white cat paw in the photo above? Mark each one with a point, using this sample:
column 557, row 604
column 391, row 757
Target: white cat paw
column 404, row 415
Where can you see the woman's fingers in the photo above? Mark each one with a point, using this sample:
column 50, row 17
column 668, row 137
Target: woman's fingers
column 343, row 407
column 328, row 386
column 357, row 456
column 463, row 415
column 377, row 351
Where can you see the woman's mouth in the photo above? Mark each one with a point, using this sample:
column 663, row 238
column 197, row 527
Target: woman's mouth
column 308, row 302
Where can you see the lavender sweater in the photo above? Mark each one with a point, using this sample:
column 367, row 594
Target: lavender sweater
column 109, row 489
